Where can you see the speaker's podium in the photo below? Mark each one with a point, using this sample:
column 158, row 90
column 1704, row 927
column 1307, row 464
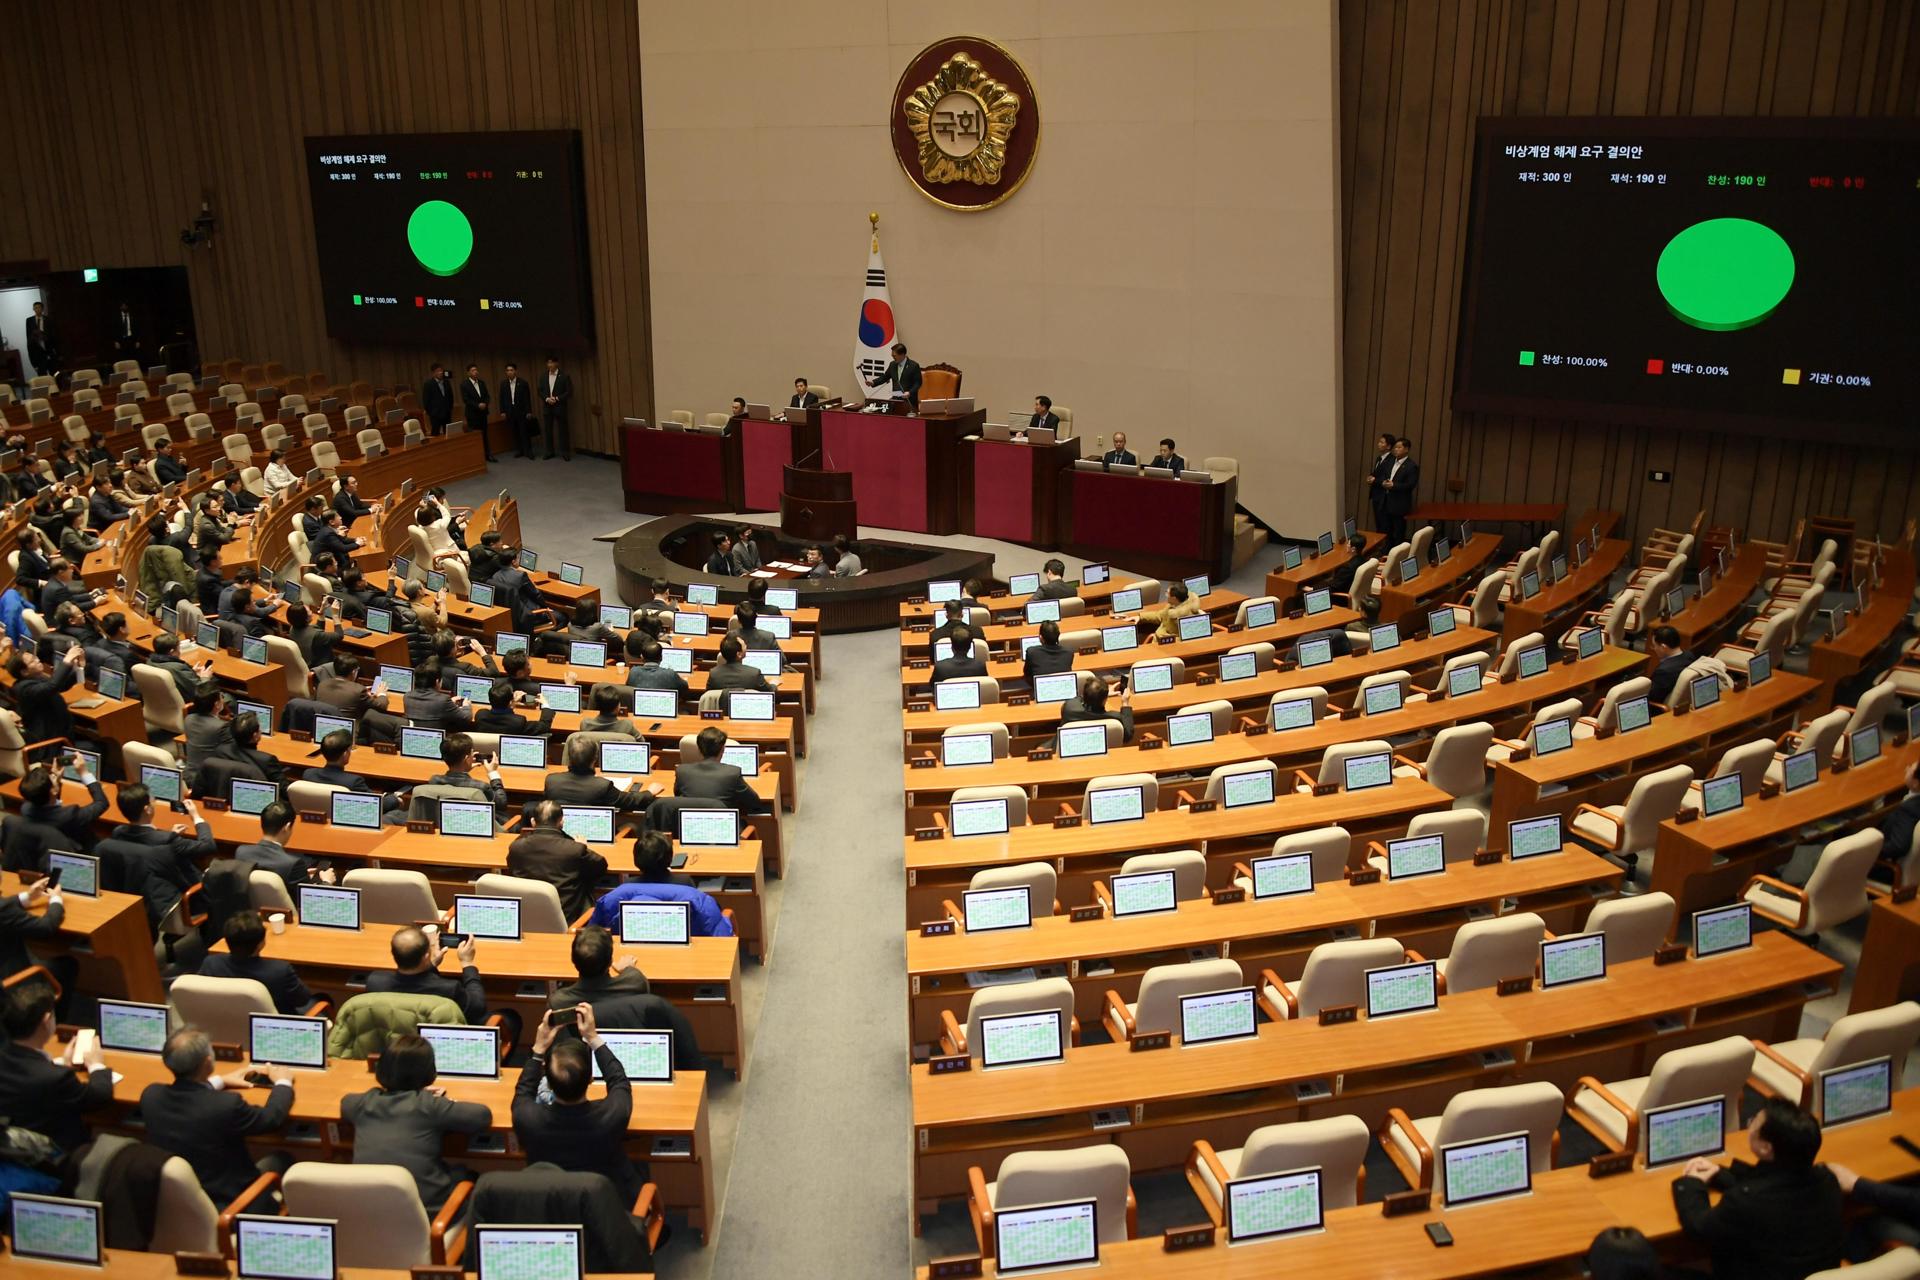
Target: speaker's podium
column 817, row 504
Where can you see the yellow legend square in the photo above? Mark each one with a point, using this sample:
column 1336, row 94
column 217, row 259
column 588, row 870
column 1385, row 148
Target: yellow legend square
column 1788, row 377
column 483, row 307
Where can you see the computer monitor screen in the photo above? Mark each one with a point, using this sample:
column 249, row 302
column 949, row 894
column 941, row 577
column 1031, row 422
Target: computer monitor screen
column 472, row 1052
column 1720, row 795
column 1485, row 1169
column 287, row 1042
column 1531, row 837
column 783, row 597
column 656, row 922
column 79, row 872
column 1382, row 698
column 1238, row 666
column 957, row 749
column 523, row 753
column 1043, row 611
column 1383, row 637
column 1579, row 957
column 956, row 695
column 324, row 725
column 616, row 615
column 1863, row 745
column 744, row 756
column 1533, row 661
column 357, row 809
column 1409, row 570
column 710, row 828
column 1704, row 692
column 678, row 660
column 260, row 711
column 1021, row 1039
column 1291, row 557
column 207, row 636
column 1855, row 1092
column 79, row 756
column 1323, row 544
column 1152, row 677
column 1462, row 681
column 59, row 1230
column 161, row 782
column 1442, row 550
column 1261, row 613
column 481, row 596
column 1197, row 585
column 985, row 910
column 328, row 906
column 1760, row 670
column 267, row 1248
column 689, row 624
column 475, row 689
column 253, row 649
column 1283, row 875
column 1043, row 1238
column 978, row 817
column 943, row 591
column 1057, row 686
column 470, row 818
column 1592, row 640
column 749, row 704
column 1084, row 739
column 532, row 1253
column 250, row 797
column 1416, row 856
column 528, row 559
column 1293, row 713
column 1113, row 639
column 436, row 581
column 573, row 575
column 113, row 684
column 765, row 661
column 1400, row 988
column 380, row 622
column 1683, row 1130
column 1115, row 804
column 1315, row 653
column 1143, row 892
column 1441, row 622
column 169, row 619
column 1023, row 584
column 132, row 1027
column 943, row 649
column 1559, row 568
column 421, row 744
column 1721, row 929
column 625, row 757
column 1633, row 713
column 1550, row 736
column 589, row 824
column 1252, row 786
column 1318, row 601
column 397, row 679
column 1529, row 585
column 1126, row 600
column 486, row 917
column 1372, row 770
column 1194, row 726
column 1274, row 1204
column 1196, row 626
column 1348, row 527
column 586, row 653
column 1213, row 1016
column 646, row 1056
column 1798, row 770
column 1676, row 601
column 509, row 642
column 664, row 703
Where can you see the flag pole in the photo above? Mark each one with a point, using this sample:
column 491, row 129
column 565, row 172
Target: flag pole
column 874, row 219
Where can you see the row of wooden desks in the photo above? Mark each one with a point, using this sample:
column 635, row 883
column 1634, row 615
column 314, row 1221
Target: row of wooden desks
column 1006, row 638
column 1437, row 583
column 1556, row 607
column 108, row 937
column 1286, row 584
column 1098, row 596
column 1707, row 616
column 1832, row 661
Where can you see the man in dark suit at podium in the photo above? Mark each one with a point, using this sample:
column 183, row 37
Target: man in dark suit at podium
column 1044, row 416
column 803, row 398
column 902, row 375
column 1119, row 455
column 1403, row 477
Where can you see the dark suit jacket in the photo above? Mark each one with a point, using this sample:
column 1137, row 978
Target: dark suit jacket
column 40, row 1095
column 1120, row 457
column 290, row 994
column 1049, row 421
column 102, row 510
column 206, row 736
column 39, row 340
column 736, row 675
column 1175, row 464
column 613, row 1240
column 433, row 709
column 573, row 869
column 167, row 468
column 475, row 402
column 43, row 712
column 588, row 1138
column 594, row 789
column 155, row 863
column 1074, row 709
column 1896, row 830
column 18, row 927
column 971, row 665
column 294, row 869
column 627, row 982
column 1058, row 589
column 1772, row 1223
column 72, row 821
column 350, row 507
column 185, row 679
column 436, row 398
column 717, row 780
column 807, row 400
column 1377, row 492
column 349, row 695
column 562, row 392
column 903, row 376
column 1666, row 673
column 209, row 1128
column 492, row 719
column 651, row 675
column 516, row 399
column 1048, row 659
column 409, row 1129
column 1399, row 499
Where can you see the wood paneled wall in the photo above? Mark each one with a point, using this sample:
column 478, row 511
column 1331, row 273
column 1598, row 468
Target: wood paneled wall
column 121, row 118
column 1415, row 74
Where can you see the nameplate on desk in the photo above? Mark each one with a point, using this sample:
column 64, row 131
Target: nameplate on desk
column 937, row 928
column 1608, row 1163
column 420, row 826
column 1399, row 1203
column 1350, row 713
column 1064, row 820
column 941, row 1268
column 1144, row 1040
column 947, row 1063
column 1486, row 857
column 1769, row 788
column 1040, row 753
column 1092, row 911
column 1508, row 677
column 1151, row 743
column 1570, row 657
column 193, row 1263
column 385, row 749
column 1685, row 816
column 1257, row 730
column 299, row 735
column 1338, row 1013
column 919, row 706
column 929, row 833
column 1203, row 806
column 1680, row 710
column 1326, row 788
column 425, row 1271
column 922, row 762
column 713, row 715
column 1228, row 896
column 1671, row 953
column 1203, row 679
column 925, row 628
column 1285, row 664
column 1605, row 731
column 226, row 1051
column 919, row 600
column 1514, row 986
column 308, row 815
column 1841, row 764
column 1521, row 753
column 1020, row 700
column 212, row 805
column 1363, row 875
column 1180, row 1239
column 1904, row 894
column 918, row 664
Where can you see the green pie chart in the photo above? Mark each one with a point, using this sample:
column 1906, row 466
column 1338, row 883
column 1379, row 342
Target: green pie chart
column 440, row 236
column 1725, row 273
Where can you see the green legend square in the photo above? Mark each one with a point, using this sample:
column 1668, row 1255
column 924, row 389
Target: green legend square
column 1526, row 357
column 356, row 299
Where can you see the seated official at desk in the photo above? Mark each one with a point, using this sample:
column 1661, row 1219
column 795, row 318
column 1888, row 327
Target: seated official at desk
column 1779, row 1218
column 609, row 712
column 964, row 662
column 1897, row 828
column 206, row 1120
column 36, row 1092
column 1167, row 459
column 953, row 615
column 730, row 672
column 643, row 666
column 456, row 752
column 159, row 866
column 1044, row 418
column 406, row 1120
column 416, row 962
column 757, row 593
column 745, row 624
column 1166, row 620
column 1053, row 582
column 581, row 784
column 44, row 714
column 846, row 561
column 246, row 934
column 1092, row 705
column 334, row 749
column 712, row 778
column 1670, row 658
column 803, row 398
column 498, row 716
column 1119, row 455
column 1896, row 1220
column 599, row 974
column 44, row 822
column 239, row 758
column 270, row 852
column 653, row 855
column 1340, row 581
column 720, row 559
column 579, row 1135
column 1049, row 656
column 186, row 677
column 19, row 926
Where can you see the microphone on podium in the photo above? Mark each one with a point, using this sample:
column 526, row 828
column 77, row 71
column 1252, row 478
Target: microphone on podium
column 809, row 458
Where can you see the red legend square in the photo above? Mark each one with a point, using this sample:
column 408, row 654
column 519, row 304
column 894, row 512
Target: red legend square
column 421, row 302
column 1656, row 366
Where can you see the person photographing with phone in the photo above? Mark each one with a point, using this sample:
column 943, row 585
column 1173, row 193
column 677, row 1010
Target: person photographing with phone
column 578, row 1134
column 1092, row 704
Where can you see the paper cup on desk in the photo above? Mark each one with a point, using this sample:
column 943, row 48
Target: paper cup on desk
column 278, row 921
column 432, row 931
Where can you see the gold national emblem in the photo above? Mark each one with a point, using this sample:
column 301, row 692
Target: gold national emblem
column 963, row 120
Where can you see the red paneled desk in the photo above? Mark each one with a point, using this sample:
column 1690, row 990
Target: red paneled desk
column 1161, row 526
column 680, row 470
column 1011, row 491
column 905, row 467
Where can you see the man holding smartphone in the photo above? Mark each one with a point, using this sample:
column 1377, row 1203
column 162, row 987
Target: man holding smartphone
column 579, row 1135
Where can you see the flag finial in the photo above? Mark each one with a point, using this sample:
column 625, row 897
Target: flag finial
column 874, row 219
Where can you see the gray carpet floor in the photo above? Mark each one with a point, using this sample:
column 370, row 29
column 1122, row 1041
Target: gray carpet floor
column 812, row 1152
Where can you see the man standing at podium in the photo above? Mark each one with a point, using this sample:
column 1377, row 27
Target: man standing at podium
column 803, row 398
column 902, row 375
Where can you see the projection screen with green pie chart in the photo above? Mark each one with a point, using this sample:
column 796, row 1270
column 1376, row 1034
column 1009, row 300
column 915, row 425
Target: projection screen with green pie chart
column 1710, row 274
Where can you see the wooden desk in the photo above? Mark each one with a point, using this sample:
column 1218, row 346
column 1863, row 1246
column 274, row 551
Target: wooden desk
column 1603, row 770
column 1555, row 1224
column 1553, row 610
column 108, row 938
column 1706, row 862
column 1538, row 515
column 1156, row 525
column 1834, row 661
column 1010, row 490
column 1278, row 933
column 916, row 640
column 1224, row 1091
column 1705, row 617
column 1098, row 597
column 1889, row 969
column 125, row 1264
column 1402, row 601
column 1285, row 584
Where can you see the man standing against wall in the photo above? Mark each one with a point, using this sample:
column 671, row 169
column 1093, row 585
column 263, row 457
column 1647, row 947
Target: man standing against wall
column 556, row 388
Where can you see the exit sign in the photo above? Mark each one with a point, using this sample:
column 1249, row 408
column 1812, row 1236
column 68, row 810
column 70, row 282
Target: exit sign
column 90, row 275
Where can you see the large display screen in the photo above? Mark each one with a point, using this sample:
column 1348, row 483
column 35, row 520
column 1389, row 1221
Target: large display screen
column 1711, row 274
column 444, row 239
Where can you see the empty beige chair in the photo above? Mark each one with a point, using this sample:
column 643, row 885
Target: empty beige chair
column 1420, row 545
column 1682, row 696
column 1240, row 614
column 253, row 482
column 1510, row 656
column 184, row 1218
column 382, row 1201
column 1039, row 879
column 1770, row 637
column 75, row 428
column 1336, row 975
column 268, row 892
column 1607, row 719
column 1533, row 1109
column 1791, row 1069
column 1749, row 760
column 1635, row 927
column 1568, row 709
column 1821, row 735
column 160, row 701
column 998, row 732
column 1480, row 662
column 1330, row 847
column 1482, row 608
column 153, row 433
column 1219, row 708
column 1390, row 569
column 287, row 654
column 238, row 449
column 356, row 416
column 1148, row 784
column 1037, row 996
column 1835, row 893
column 325, row 456
column 1611, row 1112
column 1149, row 590
column 683, row 417
column 1016, row 798
column 1161, row 988
column 1314, row 693
column 367, row 438
column 1262, row 651
column 1380, row 680
column 272, row 436
column 1189, row 867
column 389, row 896
column 1829, row 549
column 1875, row 705
column 179, row 404
column 1080, row 641
column 1030, row 1178
column 1629, row 830
column 1337, row 1146
column 1334, row 759
column 315, row 425
column 232, row 392
column 1457, row 762
column 314, row 589
column 1364, row 578
column 83, row 378
column 1485, row 951
column 1896, row 1264
column 85, row 400
column 1217, row 780
column 220, row 1006
column 311, row 797
column 249, row 411
column 540, row 909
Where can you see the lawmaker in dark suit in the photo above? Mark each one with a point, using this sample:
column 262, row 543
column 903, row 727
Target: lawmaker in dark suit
column 270, row 852
column 158, row 865
column 803, row 398
column 1092, row 705
column 644, row 670
column 580, row 785
column 1119, row 455
column 1053, row 582
column 711, row 778
column 405, row 1122
column 544, row 852
column 416, row 972
column 599, row 974
column 126, row 335
column 1896, row 830
column 37, row 688
column 902, row 376
column 579, row 1135
column 1780, row 1218
column 731, row 673
column 964, row 662
column 1167, row 459
column 1044, row 416
column 436, row 399
column 42, row 807
column 556, row 390
column 347, row 501
column 473, row 397
column 1376, row 479
column 246, row 933
column 1403, row 477
column 1670, row 658
column 41, row 351
column 207, row 1124
column 36, row 1092
column 516, row 405
column 1049, row 656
